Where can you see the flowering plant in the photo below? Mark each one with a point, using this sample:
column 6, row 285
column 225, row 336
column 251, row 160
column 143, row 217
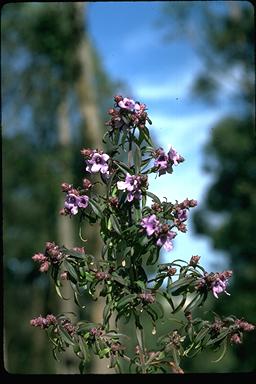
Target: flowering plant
column 134, row 226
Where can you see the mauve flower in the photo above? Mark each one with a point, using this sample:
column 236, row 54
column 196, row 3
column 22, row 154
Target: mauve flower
column 44, row 266
column 129, row 184
column 219, row 286
column 235, row 339
column 71, row 204
column 39, row 257
column 129, row 104
column 182, row 215
column 82, row 201
column 132, row 186
column 174, row 156
column 164, row 240
column 151, row 224
column 98, row 163
column 161, row 162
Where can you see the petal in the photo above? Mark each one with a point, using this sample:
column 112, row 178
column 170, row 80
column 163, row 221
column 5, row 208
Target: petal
column 96, row 167
column 105, row 157
column 130, row 197
column 121, row 185
column 104, row 169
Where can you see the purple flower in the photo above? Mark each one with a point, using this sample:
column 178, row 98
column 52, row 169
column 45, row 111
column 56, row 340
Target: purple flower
column 164, row 240
column 132, row 186
column 82, row 201
column 73, row 202
column 174, row 157
column 98, row 163
column 182, row 215
column 151, row 224
column 161, row 162
column 219, row 286
column 129, row 104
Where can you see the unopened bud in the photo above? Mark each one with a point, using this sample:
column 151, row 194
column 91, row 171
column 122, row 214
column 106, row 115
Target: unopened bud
column 171, row 271
column 87, row 184
column 86, row 152
column 194, row 260
column 118, row 98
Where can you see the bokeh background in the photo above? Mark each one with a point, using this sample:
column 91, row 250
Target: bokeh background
column 192, row 64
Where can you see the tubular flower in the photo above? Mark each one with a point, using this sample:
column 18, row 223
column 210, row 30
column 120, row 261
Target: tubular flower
column 174, row 157
column 164, row 240
column 98, row 163
column 73, row 202
column 150, row 224
column 132, row 185
column 129, row 104
column 219, row 286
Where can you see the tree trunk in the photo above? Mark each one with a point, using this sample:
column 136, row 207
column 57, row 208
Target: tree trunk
column 92, row 134
column 69, row 363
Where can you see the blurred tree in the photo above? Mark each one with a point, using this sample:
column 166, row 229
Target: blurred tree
column 42, row 71
column 225, row 45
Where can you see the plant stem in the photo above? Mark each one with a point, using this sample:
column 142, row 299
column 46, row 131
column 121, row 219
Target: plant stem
column 140, row 339
column 129, row 165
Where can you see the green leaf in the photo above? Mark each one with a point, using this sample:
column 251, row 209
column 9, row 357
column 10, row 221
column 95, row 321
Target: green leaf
column 59, row 292
column 126, row 300
column 146, row 136
column 115, row 224
column 71, row 270
column 123, row 167
column 104, row 352
column 180, row 283
column 140, row 284
column 137, row 158
column 107, row 313
column 65, row 336
column 169, row 299
column 96, row 208
column 178, row 308
column 82, row 346
column 195, row 302
column 221, row 336
column 158, row 283
column 77, row 255
column 153, row 256
column 201, row 334
column 153, row 197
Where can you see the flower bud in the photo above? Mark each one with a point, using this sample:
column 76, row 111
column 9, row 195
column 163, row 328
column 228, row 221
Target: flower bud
column 44, row 267
column 86, row 152
column 171, row 271
column 194, row 260
column 118, row 98
column 87, row 184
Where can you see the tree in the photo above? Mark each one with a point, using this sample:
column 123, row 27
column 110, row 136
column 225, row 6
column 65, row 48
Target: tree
column 225, row 44
column 38, row 55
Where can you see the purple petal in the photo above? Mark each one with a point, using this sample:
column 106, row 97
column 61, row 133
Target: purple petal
column 96, row 167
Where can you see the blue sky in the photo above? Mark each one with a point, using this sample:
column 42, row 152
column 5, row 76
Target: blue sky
column 160, row 74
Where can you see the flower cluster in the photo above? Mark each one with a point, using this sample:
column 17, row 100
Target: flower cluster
column 147, row 297
column 160, row 231
column 164, row 162
column 127, row 113
column 96, row 161
column 52, row 255
column 73, row 200
column 43, row 322
column 132, row 185
column 46, row 322
column 216, row 282
column 133, row 234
